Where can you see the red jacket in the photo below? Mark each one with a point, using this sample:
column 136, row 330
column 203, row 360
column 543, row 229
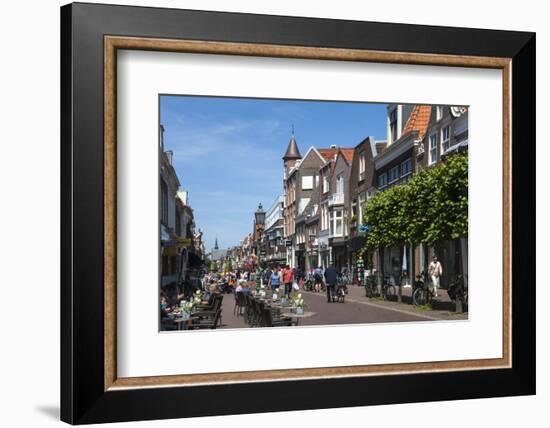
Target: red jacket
column 288, row 276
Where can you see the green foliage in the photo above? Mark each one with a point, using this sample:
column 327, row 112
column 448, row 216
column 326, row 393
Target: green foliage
column 433, row 206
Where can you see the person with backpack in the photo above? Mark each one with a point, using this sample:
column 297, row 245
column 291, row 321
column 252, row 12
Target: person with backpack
column 318, row 277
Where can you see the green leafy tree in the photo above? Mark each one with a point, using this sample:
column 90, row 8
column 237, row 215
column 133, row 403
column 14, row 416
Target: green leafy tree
column 432, row 207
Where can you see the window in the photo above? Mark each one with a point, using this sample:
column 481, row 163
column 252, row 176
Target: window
column 382, row 181
column 325, row 182
column 331, row 222
column 163, row 203
column 362, row 200
column 393, row 175
column 445, row 139
column 307, row 182
column 362, row 166
column 406, row 168
column 393, row 125
column 339, row 223
column 340, row 184
column 433, row 148
column 438, row 112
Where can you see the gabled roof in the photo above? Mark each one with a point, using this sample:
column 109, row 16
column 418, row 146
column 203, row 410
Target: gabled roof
column 292, row 151
column 418, row 120
column 347, row 154
column 330, row 153
column 312, row 149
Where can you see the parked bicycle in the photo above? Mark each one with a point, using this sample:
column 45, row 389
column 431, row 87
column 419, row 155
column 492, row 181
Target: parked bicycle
column 387, row 291
column 308, row 284
column 422, row 290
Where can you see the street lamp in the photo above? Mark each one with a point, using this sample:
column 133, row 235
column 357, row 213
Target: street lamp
column 259, row 221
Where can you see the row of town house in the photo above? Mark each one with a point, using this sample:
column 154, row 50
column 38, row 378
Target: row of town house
column 181, row 247
column 318, row 219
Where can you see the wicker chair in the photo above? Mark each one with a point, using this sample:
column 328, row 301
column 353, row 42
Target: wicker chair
column 269, row 321
column 210, row 321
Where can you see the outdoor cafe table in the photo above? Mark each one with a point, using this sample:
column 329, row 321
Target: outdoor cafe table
column 306, row 314
column 184, row 324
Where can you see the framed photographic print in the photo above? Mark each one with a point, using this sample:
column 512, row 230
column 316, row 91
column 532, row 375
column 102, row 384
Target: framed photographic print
column 264, row 206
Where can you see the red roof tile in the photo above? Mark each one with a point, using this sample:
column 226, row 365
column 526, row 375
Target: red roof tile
column 418, row 120
column 330, row 153
column 348, row 154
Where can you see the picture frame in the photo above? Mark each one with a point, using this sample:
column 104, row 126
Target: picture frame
column 91, row 392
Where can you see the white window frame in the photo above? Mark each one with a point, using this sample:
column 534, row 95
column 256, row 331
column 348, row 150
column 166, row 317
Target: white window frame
column 340, row 185
column 432, row 148
column 325, row 183
column 445, row 141
column 338, row 222
column 307, row 182
column 362, row 166
column 362, row 200
column 438, row 113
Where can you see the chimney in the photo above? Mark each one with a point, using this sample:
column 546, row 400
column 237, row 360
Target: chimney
column 169, row 155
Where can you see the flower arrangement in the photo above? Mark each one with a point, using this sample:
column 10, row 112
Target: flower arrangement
column 298, row 303
column 188, row 306
column 275, row 294
column 197, row 297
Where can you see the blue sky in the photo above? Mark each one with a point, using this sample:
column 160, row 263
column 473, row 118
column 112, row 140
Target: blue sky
column 227, row 151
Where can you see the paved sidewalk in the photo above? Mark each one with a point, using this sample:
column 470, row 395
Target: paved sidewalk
column 442, row 306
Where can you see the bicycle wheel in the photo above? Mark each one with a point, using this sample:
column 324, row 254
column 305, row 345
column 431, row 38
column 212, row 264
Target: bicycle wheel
column 420, row 297
column 389, row 292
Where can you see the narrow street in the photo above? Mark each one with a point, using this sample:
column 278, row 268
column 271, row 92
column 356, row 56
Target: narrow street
column 353, row 311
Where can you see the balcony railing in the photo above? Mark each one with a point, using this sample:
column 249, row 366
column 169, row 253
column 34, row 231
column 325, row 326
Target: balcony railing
column 336, row 199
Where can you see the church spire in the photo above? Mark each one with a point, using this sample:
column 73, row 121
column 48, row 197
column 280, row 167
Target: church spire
column 292, row 151
column 216, row 245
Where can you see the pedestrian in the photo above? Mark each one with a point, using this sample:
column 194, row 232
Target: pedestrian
column 331, row 277
column 318, row 277
column 435, row 270
column 288, row 277
column 267, row 275
column 275, row 279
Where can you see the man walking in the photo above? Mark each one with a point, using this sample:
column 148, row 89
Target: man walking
column 288, row 277
column 331, row 277
column 435, row 271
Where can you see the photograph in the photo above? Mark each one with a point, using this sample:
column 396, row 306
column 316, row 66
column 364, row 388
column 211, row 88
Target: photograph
column 293, row 213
